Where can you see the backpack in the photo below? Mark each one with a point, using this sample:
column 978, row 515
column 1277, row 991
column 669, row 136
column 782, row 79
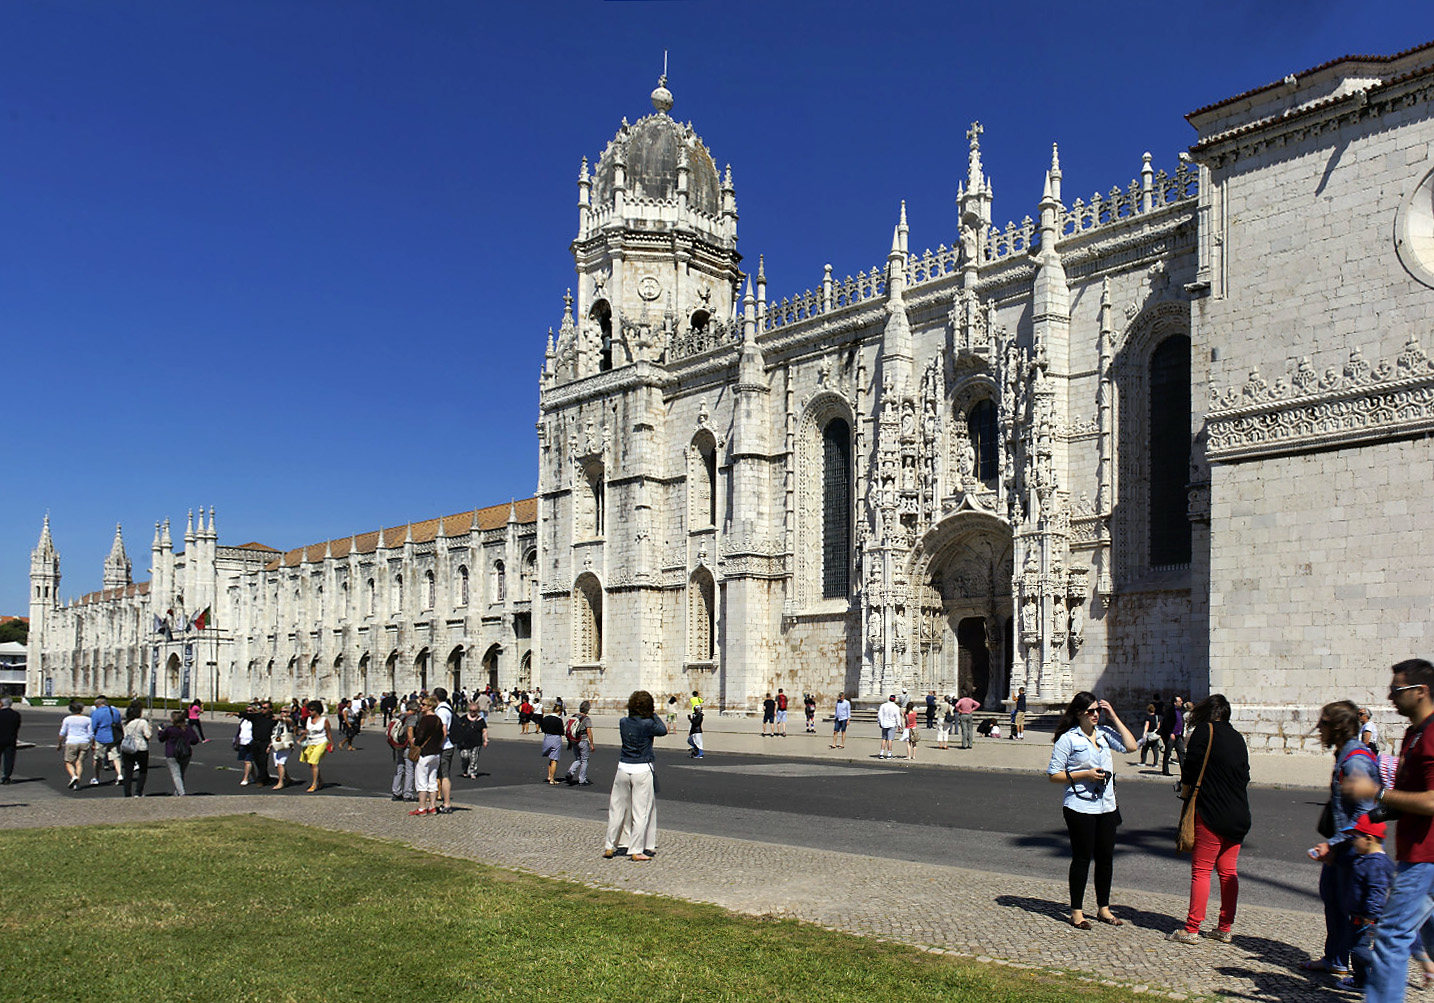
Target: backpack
column 571, row 731
column 1385, row 766
column 397, row 733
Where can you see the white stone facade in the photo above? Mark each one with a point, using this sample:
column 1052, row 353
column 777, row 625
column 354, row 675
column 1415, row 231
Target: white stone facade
column 1169, row 437
column 440, row 602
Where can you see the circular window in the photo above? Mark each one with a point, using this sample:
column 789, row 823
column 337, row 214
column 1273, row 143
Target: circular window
column 1414, row 231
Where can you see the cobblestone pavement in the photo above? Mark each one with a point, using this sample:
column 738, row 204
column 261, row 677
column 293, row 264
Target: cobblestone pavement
column 999, row 918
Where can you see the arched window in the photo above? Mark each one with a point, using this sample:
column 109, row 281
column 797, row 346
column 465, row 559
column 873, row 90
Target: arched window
column 587, row 620
column 702, row 481
column 430, row 590
column 602, row 313
column 981, row 428
column 369, row 591
column 397, row 593
column 1170, row 452
column 462, row 585
column 588, row 501
column 530, row 574
column 500, row 582
column 836, row 509
column 701, row 616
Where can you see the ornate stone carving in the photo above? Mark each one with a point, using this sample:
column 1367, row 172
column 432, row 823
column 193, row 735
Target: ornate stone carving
column 1359, row 403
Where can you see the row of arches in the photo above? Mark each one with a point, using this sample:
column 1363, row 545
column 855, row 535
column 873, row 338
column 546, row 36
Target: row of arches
column 588, row 624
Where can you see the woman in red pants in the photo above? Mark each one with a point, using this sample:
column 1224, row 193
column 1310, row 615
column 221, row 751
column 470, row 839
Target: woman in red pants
column 1222, row 814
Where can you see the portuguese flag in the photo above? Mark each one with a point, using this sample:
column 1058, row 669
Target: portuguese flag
column 202, row 620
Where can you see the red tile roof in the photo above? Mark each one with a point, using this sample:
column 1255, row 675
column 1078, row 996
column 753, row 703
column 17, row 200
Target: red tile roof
column 492, row 517
column 104, row 595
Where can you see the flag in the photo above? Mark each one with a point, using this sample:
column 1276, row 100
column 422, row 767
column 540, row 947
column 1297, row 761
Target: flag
column 158, row 624
column 202, row 620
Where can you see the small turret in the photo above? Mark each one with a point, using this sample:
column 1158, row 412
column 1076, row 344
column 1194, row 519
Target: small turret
column 117, row 564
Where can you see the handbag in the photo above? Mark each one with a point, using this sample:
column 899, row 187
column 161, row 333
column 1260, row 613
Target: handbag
column 1185, row 838
column 413, row 754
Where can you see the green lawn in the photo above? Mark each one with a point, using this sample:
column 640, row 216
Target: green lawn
column 247, row 908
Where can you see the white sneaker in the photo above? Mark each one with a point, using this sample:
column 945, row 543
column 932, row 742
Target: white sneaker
column 94, row 781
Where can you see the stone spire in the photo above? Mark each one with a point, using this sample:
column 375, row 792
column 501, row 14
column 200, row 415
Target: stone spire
column 189, row 527
column 117, row 564
column 896, row 339
column 45, row 549
column 164, row 539
column 974, row 194
column 44, row 584
column 213, row 526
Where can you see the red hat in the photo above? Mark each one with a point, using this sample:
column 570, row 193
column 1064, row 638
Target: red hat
column 1368, row 828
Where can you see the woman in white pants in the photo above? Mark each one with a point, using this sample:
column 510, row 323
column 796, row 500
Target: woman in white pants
column 632, row 808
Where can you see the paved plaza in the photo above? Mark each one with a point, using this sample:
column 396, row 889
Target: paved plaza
column 1003, row 918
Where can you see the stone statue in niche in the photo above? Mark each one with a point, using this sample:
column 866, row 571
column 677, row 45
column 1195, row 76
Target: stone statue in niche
column 968, row 245
column 1028, row 616
column 873, row 628
column 1077, row 627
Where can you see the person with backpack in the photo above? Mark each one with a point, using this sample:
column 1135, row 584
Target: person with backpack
column 470, row 737
column 400, row 736
column 694, row 732
column 108, row 724
column 580, row 740
column 1338, row 726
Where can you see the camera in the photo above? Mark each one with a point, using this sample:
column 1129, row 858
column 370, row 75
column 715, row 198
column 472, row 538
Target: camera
column 1383, row 813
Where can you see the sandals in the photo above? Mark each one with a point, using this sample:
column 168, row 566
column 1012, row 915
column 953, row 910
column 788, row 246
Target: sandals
column 1082, row 925
column 1110, row 920
column 639, row 857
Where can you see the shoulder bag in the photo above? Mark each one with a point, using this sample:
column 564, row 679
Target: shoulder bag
column 1185, row 839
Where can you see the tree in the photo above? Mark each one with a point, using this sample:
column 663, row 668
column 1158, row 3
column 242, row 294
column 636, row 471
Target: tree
column 14, row 630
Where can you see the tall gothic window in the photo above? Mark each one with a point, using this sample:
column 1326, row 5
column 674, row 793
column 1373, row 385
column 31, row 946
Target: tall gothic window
column 500, row 582
column 530, row 575
column 369, row 596
column 836, row 509
column 463, row 584
column 981, row 427
column 430, row 590
column 702, row 481
column 701, row 608
column 397, row 593
column 587, row 620
column 602, row 313
column 1170, row 451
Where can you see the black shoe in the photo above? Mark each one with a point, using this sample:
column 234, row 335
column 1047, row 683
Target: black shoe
column 584, row 783
column 396, row 797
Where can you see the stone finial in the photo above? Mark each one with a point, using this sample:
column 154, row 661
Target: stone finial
column 164, row 539
column 155, row 545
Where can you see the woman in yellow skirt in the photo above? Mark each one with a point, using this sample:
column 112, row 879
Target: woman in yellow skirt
column 318, row 739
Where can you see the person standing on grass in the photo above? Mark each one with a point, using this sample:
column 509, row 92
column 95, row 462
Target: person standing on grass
column 108, row 724
column 632, row 807
column 318, row 739
column 77, row 735
column 428, row 738
column 694, row 732
column 888, row 719
column 841, row 715
column 9, row 738
column 1082, row 761
column 134, row 749
column 179, row 740
column 577, row 774
column 1411, row 896
column 1222, row 815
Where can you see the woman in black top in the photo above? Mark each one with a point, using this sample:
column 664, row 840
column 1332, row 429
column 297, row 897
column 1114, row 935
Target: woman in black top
column 1150, row 737
column 1222, row 814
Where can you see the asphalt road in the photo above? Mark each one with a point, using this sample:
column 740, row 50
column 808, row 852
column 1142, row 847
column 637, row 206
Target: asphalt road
column 999, row 822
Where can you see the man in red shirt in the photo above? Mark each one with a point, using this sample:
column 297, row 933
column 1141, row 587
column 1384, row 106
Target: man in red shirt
column 1412, row 801
column 781, row 729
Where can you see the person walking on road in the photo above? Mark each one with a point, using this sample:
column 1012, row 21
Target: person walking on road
column 552, row 750
column 966, row 707
column 694, row 732
column 318, row 739
column 632, row 807
column 1150, row 736
column 179, row 739
column 1082, row 760
column 470, row 735
column 841, row 714
column 1172, row 733
column 77, row 735
column 196, row 708
column 9, row 738
column 1411, row 897
column 108, row 724
column 134, row 749
column 1338, row 726
column 577, row 774
column 1222, row 815
column 888, row 719
column 1368, row 730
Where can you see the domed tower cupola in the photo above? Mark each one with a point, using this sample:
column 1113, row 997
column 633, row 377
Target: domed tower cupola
column 656, row 250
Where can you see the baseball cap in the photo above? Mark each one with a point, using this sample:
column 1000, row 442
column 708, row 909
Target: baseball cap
column 1368, row 828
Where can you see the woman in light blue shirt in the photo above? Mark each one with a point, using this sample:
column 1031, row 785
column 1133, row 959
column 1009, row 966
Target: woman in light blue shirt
column 1082, row 761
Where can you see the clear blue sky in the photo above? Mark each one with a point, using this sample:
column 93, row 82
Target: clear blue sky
column 298, row 260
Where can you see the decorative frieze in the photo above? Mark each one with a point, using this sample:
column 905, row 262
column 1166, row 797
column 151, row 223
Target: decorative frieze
column 1309, row 410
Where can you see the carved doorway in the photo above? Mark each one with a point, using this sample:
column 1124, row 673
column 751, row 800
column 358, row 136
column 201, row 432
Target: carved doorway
column 973, row 659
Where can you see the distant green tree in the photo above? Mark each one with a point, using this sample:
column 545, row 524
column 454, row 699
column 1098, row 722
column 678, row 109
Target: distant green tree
column 14, row 630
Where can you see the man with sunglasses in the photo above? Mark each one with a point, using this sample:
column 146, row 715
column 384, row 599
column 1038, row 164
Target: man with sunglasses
column 1412, row 801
